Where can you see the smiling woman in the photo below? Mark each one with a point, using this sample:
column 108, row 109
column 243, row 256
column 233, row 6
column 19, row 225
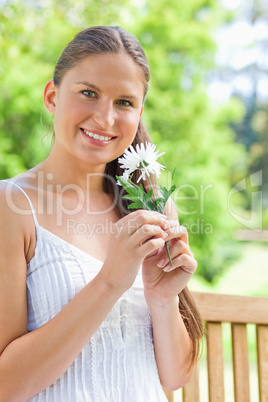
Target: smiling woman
column 98, row 114
column 85, row 304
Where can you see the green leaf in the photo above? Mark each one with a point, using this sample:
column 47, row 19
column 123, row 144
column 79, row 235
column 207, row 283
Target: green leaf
column 127, row 185
column 166, row 194
column 160, row 204
column 141, row 199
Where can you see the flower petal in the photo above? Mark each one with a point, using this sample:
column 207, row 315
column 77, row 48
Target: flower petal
column 144, row 158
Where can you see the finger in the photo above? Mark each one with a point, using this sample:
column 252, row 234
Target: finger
column 185, row 262
column 177, row 231
column 151, row 246
column 179, row 247
column 146, row 232
column 132, row 222
column 158, row 252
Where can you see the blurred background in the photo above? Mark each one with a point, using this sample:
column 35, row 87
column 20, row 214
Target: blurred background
column 207, row 108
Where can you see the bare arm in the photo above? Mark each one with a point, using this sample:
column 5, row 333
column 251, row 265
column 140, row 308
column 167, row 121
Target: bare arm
column 172, row 344
column 30, row 362
column 35, row 360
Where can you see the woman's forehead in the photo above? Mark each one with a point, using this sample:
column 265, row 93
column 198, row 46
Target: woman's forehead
column 102, row 68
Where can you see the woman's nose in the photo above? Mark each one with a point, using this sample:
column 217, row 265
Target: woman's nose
column 104, row 114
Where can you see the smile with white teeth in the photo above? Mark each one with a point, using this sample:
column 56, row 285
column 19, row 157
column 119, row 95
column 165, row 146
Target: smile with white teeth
column 96, row 136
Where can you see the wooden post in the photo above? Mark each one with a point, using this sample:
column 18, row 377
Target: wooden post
column 262, row 352
column 190, row 391
column 240, row 363
column 215, row 362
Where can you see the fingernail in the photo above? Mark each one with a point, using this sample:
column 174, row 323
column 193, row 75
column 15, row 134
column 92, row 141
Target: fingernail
column 167, row 268
column 160, row 250
column 165, row 234
column 161, row 264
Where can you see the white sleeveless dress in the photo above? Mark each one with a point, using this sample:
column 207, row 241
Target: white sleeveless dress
column 118, row 363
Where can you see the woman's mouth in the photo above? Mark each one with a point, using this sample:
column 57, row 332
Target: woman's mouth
column 97, row 136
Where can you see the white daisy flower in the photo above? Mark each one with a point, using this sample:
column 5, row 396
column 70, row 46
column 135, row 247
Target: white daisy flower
column 143, row 159
column 125, row 176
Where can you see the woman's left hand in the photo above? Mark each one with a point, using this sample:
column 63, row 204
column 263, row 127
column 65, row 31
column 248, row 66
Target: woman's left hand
column 161, row 281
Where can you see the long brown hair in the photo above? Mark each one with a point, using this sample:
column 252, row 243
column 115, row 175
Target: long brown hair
column 105, row 39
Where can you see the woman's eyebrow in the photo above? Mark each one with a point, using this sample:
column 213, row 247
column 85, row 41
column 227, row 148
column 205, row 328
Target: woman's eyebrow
column 88, row 84
column 128, row 96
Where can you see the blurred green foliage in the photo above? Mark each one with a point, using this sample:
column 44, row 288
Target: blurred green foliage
column 258, row 151
column 182, row 120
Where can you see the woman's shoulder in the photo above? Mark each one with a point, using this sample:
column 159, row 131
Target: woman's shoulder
column 18, row 191
column 16, row 222
column 13, row 197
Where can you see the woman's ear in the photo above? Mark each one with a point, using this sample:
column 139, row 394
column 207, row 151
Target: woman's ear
column 50, row 96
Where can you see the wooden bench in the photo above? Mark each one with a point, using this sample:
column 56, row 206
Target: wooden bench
column 238, row 311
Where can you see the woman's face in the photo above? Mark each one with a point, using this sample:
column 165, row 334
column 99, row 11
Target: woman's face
column 97, row 107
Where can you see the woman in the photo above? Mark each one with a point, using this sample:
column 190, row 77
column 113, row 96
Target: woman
column 80, row 320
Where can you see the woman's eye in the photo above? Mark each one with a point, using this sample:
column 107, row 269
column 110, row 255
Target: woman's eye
column 124, row 102
column 89, row 93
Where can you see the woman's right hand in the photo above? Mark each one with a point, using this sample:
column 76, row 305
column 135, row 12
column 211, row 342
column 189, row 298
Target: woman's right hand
column 132, row 238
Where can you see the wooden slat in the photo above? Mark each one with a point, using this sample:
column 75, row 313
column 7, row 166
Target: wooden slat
column 215, row 362
column 190, row 391
column 229, row 308
column 262, row 352
column 240, row 363
column 238, row 310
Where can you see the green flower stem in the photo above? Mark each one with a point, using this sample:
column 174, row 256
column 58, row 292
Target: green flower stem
column 148, row 177
column 166, row 242
column 167, row 248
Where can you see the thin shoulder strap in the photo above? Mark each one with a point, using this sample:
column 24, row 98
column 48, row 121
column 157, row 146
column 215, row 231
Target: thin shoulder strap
column 28, row 198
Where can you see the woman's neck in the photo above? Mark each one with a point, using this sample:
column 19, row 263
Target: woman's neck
column 69, row 170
